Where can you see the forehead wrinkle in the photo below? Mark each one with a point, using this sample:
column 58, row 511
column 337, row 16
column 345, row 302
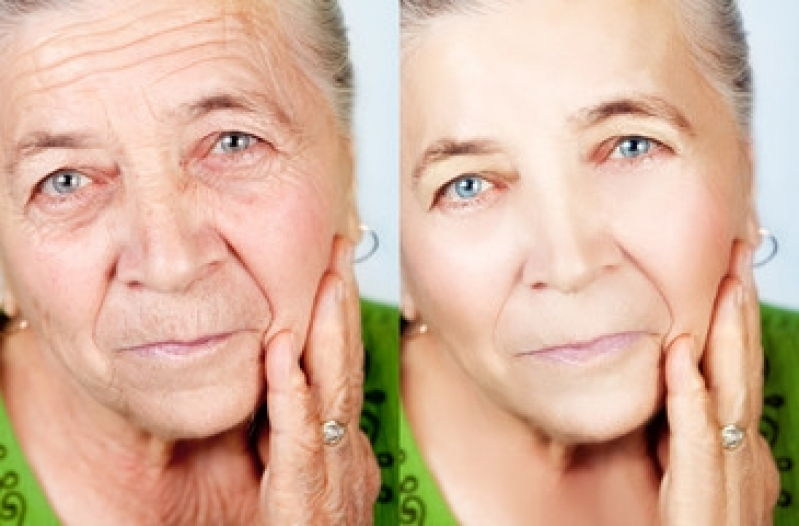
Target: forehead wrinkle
column 57, row 53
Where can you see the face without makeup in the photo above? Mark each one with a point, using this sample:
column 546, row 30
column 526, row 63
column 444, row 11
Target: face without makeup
column 172, row 187
column 571, row 191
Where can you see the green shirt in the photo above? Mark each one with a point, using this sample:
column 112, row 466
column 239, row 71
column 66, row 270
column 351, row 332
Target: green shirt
column 22, row 501
column 421, row 503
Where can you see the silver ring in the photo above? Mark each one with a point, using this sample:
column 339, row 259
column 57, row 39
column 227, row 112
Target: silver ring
column 732, row 437
column 333, row 432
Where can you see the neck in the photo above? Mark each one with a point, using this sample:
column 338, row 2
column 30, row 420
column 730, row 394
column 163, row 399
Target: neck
column 125, row 474
column 522, row 472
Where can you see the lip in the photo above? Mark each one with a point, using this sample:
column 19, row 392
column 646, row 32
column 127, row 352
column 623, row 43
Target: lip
column 579, row 353
column 178, row 347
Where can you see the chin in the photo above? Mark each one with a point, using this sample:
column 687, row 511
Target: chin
column 197, row 414
column 604, row 417
column 594, row 404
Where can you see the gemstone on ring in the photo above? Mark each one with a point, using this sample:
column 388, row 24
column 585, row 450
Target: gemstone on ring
column 333, row 432
column 732, row 437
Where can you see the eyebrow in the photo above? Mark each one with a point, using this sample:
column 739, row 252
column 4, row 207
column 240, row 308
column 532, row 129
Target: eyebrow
column 637, row 105
column 447, row 148
column 254, row 103
column 38, row 141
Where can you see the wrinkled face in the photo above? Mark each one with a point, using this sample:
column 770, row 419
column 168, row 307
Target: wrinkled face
column 571, row 189
column 171, row 188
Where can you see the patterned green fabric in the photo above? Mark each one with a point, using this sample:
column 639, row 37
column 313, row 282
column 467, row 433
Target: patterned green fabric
column 380, row 414
column 780, row 422
column 22, row 502
column 421, row 502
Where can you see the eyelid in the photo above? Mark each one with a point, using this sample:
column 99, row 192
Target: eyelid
column 225, row 134
column 49, row 178
column 441, row 201
column 606, row 149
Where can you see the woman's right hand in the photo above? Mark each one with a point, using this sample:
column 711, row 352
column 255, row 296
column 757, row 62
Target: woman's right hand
column 705, row 484
column 307, row 482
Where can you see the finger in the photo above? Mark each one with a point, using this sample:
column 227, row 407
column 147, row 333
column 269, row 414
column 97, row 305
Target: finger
column 353, row 310
column 291, row 446
column 327, row 357
column 727, row 356
column 691, row 489
column 751, row 312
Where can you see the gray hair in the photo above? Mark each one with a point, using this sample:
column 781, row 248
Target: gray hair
column 317, row 36
column 713, row 29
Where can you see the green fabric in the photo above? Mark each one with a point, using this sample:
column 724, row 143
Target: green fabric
column 380, row 414
column 21, row 500
column 422, row 503
column 23, row 503
column 780, row 422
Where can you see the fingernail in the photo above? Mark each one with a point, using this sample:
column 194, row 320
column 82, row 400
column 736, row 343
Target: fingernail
column 285, row 355
column 341, row 292
column 348, row 253
column 748, row 259
column 686, row 364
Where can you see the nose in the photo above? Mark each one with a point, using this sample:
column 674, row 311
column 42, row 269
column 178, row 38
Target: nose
column 167, row 243
column 570, row 244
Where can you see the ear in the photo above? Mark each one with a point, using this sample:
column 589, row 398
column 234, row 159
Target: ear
column 9, row 302
column 751, row 231
column 352, row 221
column 407, row 305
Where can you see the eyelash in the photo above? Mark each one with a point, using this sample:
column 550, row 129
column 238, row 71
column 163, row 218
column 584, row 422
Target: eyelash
column 444, row 198
column 254, row 141
column 609, row 152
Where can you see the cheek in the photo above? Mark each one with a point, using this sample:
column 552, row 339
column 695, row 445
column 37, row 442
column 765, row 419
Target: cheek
column 683, row 247
column 284, row 239
column 64, row 286
column 459, row 273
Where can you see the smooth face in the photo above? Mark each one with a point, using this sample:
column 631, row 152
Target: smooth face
column 571, row 189
column 171, row 189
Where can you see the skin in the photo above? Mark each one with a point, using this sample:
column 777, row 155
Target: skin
column 173, row 189
column 528, row 225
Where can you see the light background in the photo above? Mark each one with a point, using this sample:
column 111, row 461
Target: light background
column 773, row 27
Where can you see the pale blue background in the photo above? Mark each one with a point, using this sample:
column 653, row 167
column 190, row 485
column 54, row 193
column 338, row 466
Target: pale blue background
column 773, row 27
column 374, row 38
column 774, row 38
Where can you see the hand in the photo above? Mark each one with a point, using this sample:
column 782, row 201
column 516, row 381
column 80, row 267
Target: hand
column 307, row 482
column 704, row 484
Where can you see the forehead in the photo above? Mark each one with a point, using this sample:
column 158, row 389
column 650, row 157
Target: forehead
column 105, row 53
column 557, row 56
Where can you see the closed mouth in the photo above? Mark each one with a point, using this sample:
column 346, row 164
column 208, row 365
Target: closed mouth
column 584, row 351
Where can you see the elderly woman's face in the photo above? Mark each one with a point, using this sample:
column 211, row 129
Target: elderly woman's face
column 170, row 193
column 571, row 192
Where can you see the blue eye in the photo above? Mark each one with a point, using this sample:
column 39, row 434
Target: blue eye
column 632, row 147
column 467, row 187
column 64, row 182
column 234, row 142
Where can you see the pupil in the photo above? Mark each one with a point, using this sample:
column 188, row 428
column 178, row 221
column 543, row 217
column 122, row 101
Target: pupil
column 234, row 142
column 468, row 187
column 636, row 146
column 65, row 182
